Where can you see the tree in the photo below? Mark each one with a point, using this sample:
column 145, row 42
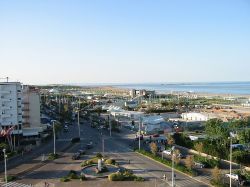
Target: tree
column 189, row 162
column 244, row 136
column 153, row 148
column 170, row 140
column 199, row 147
column 176, row 155
column 216, row 173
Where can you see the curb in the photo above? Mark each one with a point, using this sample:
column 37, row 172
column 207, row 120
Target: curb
column 174, row 169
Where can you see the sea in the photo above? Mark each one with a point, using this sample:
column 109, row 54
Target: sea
column 234, row 88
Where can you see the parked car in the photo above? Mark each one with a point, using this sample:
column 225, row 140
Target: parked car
column 167, row 152
column 81, row 151
column 74, row 140
column 76, row 156
column 65, row 129
column 199, row 165
column 89, row 145
column 232, row 176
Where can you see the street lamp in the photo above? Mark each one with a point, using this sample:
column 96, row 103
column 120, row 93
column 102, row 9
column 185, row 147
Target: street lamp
column 54, row 133
column 5, row 165
column 173, row 166
column 109, row 120
column 140, row 134
column 231, row 138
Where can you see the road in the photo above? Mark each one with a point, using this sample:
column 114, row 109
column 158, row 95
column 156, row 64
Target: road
column 115, row 146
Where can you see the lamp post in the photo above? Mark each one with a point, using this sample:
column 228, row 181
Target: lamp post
column 140, row 134
column 173, row 166
column 54, row 133
column 78, row 122
column 5, row 165
column 110, row 130
column 230, row 161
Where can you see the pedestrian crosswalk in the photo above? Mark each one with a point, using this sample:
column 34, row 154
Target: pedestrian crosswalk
column 15, row 184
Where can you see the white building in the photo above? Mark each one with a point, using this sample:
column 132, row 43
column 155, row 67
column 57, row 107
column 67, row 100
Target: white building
column 152, row 123
column 31, row 111
column 131, row 104
column 194, row 116
column 11, row 106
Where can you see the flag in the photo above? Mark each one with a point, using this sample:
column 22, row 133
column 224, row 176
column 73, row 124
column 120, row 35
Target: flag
column 3, row 133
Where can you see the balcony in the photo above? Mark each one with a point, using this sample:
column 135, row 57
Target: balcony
column 26, row 109
column 26, row 116
column 6, row 115
column 5, row 92
column 25, row 103
column 26, row 123
column 5, row 107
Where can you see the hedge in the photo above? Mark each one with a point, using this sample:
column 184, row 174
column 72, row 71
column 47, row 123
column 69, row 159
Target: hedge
column 178, row 167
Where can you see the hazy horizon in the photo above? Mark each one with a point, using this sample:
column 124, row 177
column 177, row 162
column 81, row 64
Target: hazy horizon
column 117, row 42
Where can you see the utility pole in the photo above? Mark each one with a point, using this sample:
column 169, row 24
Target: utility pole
column 140, row 133
column 102, row 146
column 110, row 130
column 173, row 166
column 54, row 137
column 230, row 160
column 5, row 166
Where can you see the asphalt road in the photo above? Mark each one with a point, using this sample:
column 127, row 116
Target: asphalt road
column 115, row 146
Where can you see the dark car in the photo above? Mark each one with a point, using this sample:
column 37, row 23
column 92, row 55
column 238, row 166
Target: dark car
column 89, row 145
column 81, row 151
column 76, row 156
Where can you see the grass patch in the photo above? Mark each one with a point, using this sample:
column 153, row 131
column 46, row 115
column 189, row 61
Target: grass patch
column 53, row 156
column 208, row 163
column 127, row 175
column 178, row 167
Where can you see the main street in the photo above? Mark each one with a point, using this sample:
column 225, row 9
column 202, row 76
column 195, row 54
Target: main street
column 116, row 146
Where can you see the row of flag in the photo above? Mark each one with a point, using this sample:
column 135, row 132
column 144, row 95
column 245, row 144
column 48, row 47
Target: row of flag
column 6, row 132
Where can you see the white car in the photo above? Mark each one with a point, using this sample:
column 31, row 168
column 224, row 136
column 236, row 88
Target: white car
column 199, row 165
column 167, row 152
column 233, row 176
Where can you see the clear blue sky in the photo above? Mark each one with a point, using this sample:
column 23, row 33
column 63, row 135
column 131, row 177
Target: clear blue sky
column 124, row 41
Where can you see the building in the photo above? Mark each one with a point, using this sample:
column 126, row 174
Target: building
column 131, row 104
column 194, row 116
column 11, row 106
column 136, row 93
column 31, row 111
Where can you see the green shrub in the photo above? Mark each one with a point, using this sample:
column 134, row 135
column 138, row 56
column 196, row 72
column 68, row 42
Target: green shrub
column 116, row 177
column 10, row 178
column 217, row 183
column 139, row 179
column 64, row 179
column 72, row 175
column 83, row 177
column 53, row 156
column 209, row 163
column 99, row 155
column 110, row 161
column 179, row 167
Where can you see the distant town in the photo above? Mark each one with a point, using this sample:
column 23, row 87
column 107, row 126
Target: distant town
column 60, row 135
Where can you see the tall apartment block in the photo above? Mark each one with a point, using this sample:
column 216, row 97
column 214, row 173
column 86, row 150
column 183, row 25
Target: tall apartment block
column 11, row 106
column 31, row 111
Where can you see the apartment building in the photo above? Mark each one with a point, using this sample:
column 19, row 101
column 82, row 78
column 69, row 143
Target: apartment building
column 31, row 111
column 11, row 106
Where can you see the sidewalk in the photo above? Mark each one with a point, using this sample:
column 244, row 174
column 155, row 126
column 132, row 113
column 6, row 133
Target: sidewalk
column 33, row 160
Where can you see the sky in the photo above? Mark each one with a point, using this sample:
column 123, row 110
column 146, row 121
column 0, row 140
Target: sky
column 124, row 41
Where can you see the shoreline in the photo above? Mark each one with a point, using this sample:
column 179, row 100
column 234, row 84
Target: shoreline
column 202, row 94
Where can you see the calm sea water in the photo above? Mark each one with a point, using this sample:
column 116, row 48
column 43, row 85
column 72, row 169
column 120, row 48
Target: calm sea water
column 240, row 88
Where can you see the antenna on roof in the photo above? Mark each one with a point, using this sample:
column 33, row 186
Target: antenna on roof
column 7, row 79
